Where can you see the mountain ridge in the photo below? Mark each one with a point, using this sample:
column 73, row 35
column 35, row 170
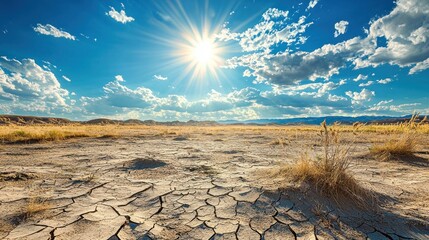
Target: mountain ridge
column 35, row 120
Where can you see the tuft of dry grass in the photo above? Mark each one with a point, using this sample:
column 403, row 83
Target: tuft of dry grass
column 329, row 173
column 280, row 141
column 404, row 146
column 36, row 205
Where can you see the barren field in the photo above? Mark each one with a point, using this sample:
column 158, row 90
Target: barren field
column 126, row 182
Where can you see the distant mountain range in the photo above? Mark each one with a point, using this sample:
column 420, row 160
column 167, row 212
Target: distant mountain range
column 32, row 120
column 318, row 120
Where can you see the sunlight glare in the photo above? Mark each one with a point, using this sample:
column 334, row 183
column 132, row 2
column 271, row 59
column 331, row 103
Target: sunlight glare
column 203, row 52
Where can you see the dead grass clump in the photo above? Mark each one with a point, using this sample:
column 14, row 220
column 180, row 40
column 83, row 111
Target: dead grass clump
column 36, row 205
column 329, row 172
column 404, row 146
column 280, row 141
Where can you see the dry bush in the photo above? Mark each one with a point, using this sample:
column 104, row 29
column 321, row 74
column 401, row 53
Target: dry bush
column 329, row 173
column 402, row 146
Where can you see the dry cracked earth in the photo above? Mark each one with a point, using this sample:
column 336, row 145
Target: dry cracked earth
column 201, row 186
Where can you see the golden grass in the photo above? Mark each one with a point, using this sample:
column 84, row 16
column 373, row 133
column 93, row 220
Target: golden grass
column 280, row 141
column 36, row 205
column 40, row 133
column 31, row 137
column 329, row 173
column 403, row 146
column 394, row 149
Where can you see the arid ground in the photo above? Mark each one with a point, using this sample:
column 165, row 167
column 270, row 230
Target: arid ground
column 202, row 183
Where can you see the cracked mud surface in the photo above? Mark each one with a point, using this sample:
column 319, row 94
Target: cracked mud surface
column 196, row 188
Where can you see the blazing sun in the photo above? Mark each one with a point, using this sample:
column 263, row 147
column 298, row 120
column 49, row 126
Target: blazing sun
column 202, row 57
column 204, row 53
column 193, row 49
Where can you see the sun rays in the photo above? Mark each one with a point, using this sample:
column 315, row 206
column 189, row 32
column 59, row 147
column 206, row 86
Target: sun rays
column 191, row 47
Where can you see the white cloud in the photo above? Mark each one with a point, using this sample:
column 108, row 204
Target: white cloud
column 290, row 66
column 275, row 28
column 369, row 83
column 66, row 78
column 362, row 96
column 335, row 98
column 249, row 102
column 360, row 77
column 226, row 35
column 340, row 28
column 384, row 81
column 119, row 16
column 386, row 107
column 50, row 30
column 286, row 68
column 160, row 77
column 421, row 66
column 405, row 30
column 312, row 4
column 119, row 78
column 26, row 86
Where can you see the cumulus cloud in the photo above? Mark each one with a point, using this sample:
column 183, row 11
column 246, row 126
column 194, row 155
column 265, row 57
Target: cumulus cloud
column 362, row 96
column 119, row 16
column 50, row 30
column 160, row 77
column 340, row 28
column 24, row 85
column 286, row 68
column 405, row 30
column 249, row 102
column 275, row 28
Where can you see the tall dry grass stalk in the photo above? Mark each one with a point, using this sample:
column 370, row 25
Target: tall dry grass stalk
column 403, row 146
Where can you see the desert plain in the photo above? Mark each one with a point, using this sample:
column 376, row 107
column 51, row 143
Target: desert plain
column 202, row 182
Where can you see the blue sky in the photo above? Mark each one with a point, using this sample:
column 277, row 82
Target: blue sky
column 213, row 60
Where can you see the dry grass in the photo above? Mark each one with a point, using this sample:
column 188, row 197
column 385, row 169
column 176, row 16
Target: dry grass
column 281, row 141
column 21, row 136
column 36, row 205
column 403, row 146
column 41, row 133
column 329, row 173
